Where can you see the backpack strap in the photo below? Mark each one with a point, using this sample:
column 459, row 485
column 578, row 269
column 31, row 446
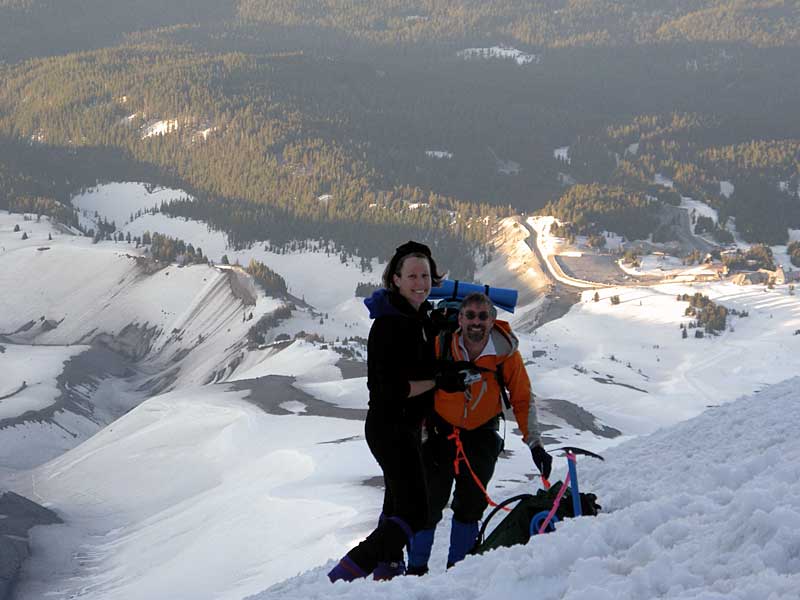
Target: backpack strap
column 498, row 373
column 446, row 353
column 445, row 342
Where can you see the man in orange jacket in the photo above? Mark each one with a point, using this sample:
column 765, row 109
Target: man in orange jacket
column 472, row 418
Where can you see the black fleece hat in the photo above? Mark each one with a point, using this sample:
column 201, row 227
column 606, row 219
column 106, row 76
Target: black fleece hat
column 411, row 247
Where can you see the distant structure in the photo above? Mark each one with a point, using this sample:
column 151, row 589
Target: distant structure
column 752, row 277
column 781, row 276
column 764, row 276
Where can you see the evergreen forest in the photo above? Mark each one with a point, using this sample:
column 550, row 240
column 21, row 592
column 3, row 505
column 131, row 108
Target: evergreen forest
column 363, row 125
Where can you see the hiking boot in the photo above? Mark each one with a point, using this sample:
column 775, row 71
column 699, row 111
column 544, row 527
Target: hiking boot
column 385, row 571
column 462, row 539
column 419, row 552
column 346, row 570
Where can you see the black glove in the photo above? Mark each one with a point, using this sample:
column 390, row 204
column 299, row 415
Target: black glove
column 450, row 381
column 450, row 375
column 542, row 460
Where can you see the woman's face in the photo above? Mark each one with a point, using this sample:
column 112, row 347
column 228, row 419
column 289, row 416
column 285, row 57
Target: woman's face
column 414, row 280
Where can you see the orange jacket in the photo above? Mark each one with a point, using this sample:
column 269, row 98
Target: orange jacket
column 482, row 400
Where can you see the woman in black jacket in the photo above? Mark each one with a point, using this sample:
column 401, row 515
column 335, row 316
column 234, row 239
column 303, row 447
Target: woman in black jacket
column 400, row 378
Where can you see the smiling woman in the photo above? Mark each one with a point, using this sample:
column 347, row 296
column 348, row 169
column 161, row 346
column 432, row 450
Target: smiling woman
column 400, row 374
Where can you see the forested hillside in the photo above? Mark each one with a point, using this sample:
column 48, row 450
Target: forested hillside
column 367, row 123
column 38, row 27
column 551, row 23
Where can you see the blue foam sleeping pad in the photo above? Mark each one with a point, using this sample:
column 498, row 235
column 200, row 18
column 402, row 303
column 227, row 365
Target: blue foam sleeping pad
column 504, row 298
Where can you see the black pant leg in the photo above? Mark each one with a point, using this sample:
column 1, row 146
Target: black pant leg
column 397, row 448
column 438, row 454
column 482, row 447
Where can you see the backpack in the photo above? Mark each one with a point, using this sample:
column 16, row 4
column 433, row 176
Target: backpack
column 516, row 527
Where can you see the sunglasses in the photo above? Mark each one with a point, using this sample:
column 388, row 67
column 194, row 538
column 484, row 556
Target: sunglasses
column 471, row 314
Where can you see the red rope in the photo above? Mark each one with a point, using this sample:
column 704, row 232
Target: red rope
column 461, row 455
column 556, row 502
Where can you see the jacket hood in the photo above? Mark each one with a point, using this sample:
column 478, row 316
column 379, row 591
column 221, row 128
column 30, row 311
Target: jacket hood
column 384, row 303
column 505, row 342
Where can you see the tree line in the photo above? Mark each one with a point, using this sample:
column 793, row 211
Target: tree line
column 321, row 129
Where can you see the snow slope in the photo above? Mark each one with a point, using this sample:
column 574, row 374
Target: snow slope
column 28, row 377
column 87, row 289
column 709, row 508
column 87, row 331
column 198, row 493
column 343, row 313
column 118, row 201
column 207, row 496
column 229, row 490
column 629, row 365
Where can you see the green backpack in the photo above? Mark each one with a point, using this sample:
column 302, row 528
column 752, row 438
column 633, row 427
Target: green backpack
column 516, row 527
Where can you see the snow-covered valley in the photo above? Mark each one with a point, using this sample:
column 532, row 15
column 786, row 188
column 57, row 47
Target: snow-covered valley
column 186, row 463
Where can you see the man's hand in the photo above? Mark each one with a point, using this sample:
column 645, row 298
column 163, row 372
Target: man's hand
column 542, row 460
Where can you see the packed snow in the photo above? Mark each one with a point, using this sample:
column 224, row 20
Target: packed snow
column 660, row 179
column 700, row 209
column 629, row 365
column 119, row 201
column 159, row 327
column 709, row 508
column 231, row 490
column 785, row 186
column 726, row 188
column 562, row 153
column 501, row 52
column 197, row 499
column 160, row 128
column 300, row 269
column 204, row 133
column 28, row 377
column 655, row 264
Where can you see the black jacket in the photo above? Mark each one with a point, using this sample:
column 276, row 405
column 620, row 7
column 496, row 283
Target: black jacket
column 400, row 349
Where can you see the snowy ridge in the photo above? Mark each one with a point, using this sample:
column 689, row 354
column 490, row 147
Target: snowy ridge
column 90, row 330
column 709, row 508
column 179, row 307
column 224, row 491
column 515, row 266
column 116, row 202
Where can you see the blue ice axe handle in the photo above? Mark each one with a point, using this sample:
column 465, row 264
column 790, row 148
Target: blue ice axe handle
column 573, row 475
column 573, row 484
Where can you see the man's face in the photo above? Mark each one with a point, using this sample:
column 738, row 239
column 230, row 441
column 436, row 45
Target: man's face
column 476, row 322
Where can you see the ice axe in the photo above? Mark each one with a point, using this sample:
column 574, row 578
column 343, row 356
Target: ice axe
column 541, row 520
